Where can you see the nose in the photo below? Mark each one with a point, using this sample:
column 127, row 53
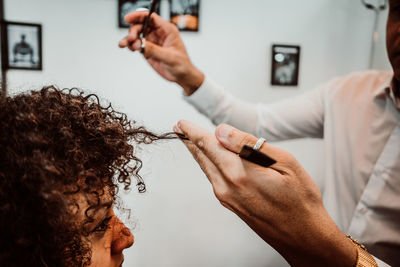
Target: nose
column 122, row 237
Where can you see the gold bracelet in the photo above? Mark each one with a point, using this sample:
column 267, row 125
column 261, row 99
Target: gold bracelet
column 364, row 259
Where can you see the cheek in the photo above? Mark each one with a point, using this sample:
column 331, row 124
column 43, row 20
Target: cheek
column 101, row 250
column 393, row 26
column 393, row 41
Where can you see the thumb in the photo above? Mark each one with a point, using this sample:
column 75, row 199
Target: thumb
column 234, row 140
column 156, row 52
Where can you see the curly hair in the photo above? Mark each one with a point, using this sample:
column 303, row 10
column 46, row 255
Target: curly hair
column 57, row 143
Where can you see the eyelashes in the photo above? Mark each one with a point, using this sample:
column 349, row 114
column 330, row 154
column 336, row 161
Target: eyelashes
column 103, row 226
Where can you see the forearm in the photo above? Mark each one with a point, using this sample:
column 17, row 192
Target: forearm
column 190, row 80
column 219, row 106
column 317, row 242
column 331, row 248
column 292, row 118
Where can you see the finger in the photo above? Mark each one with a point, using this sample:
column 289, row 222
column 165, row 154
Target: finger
column 136, row 45
column 128, row 41
column 134, row 32
column 123, row 43
column 156, row 52
column 153, row 37
column 211, row 171
column 138, row 17
column 131, row 40
column 216, row 178
column 226, row 161
column 234, row 140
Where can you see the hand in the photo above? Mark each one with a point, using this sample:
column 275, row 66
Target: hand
column 281, row 204
column 165, row 51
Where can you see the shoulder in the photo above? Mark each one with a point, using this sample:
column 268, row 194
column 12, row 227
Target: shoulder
column 363, row 80
column 368, row 82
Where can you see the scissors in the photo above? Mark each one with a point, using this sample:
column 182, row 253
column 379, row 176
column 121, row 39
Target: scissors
column 142, row 35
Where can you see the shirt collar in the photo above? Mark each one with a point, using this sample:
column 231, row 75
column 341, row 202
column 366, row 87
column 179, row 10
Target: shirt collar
column 386, row 88
column 395, row 99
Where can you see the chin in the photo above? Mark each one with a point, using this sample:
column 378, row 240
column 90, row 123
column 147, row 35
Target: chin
column 397, row 75
column 396, row 67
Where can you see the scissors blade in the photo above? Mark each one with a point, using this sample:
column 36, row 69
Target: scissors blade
column 153, row 6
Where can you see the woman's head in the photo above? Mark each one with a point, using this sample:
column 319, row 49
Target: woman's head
column 62, row 157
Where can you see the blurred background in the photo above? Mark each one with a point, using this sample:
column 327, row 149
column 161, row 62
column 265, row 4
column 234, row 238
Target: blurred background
column 178, row 221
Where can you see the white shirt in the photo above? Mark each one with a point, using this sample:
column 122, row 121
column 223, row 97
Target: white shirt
column 359, row 119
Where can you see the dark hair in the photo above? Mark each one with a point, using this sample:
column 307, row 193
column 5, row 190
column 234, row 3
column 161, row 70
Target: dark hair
column 55, row 144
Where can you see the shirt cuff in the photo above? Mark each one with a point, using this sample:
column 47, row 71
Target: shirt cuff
column 207, row 97
column 380, row 263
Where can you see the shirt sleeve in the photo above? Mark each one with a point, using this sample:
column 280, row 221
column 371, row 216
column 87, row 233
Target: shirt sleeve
column 299, row 117
column 380, row 263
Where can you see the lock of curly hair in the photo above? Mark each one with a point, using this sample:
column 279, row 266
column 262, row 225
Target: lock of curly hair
column 53, row 144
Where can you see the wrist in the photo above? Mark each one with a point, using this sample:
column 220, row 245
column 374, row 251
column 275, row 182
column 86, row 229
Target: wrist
column 341, row 252
column 333, row 247
column 191, row 81
column 336, row 249
column 364, row 259
column 324, row 245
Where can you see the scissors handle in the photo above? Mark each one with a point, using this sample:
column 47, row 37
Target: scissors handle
column 153, row 6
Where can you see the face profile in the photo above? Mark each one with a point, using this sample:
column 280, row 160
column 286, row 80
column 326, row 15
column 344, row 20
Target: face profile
column 393, row 37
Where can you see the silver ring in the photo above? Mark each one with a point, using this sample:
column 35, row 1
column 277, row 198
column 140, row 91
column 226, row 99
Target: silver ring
column 259, row 143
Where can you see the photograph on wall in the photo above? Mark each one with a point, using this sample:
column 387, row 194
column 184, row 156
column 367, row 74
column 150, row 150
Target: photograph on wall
column 128, row 6
column 185, row 14
column 23, row 46
column 285, row 65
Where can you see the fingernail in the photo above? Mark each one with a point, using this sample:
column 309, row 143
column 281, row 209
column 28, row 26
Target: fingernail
column 224, row 131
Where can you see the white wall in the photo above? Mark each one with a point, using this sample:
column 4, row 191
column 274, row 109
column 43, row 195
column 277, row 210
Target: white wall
column 179, row 221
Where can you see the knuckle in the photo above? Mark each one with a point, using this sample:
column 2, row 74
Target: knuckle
column 180, row 69
column 241, row 180
column 201, row 143
column 237, row 177
column 289, row 159
column 222, row 194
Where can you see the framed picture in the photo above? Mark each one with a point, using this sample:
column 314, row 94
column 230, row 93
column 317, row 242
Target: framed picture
column 185, row 14
column 285, row 65
column 128, row 6
column 22, row 45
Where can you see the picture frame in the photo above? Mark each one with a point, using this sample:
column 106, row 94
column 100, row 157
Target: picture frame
column 185, row 14
column 128, row 6
column 285, row 65
column 21, row 45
